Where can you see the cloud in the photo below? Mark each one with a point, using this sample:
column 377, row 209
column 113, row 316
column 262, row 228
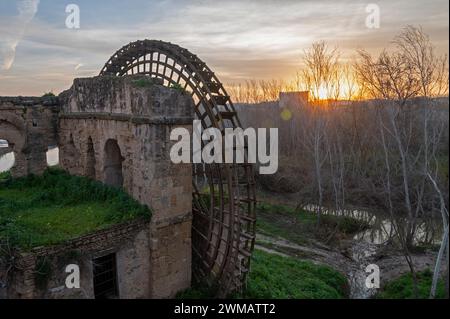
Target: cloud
column 27, row 10
column 260, row 39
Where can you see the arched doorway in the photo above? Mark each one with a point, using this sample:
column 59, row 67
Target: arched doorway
column 112, row 164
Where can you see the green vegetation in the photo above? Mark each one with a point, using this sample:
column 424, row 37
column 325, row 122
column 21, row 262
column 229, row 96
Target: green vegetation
column 274, row 276
column 49, row 94
column 298, row 225
column 402, row 287
column 5, row 176
column 56, row 207
column 277, row 277
column 143, row 83
column 177, row 86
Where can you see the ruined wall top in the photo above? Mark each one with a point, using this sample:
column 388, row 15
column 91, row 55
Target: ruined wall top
column 27, row 101
column 134, row 95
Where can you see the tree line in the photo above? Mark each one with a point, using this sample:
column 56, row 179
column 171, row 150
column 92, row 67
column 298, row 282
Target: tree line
column 386, row 148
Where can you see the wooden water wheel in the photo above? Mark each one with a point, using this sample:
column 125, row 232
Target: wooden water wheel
column 223, row 227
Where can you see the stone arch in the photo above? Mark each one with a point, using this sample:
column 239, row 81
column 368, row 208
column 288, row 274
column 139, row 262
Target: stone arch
column 16, row 143
column 112, row 164
column 7, row 158
column 90, row 159
column 13, row 120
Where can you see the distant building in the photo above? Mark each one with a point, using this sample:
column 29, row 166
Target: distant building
column 293, row 99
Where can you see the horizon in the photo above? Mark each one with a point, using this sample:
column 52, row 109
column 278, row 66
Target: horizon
column 253, row 40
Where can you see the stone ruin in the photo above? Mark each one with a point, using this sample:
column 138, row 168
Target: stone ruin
column 115, row 131
column 115, row 128
column 30, row 127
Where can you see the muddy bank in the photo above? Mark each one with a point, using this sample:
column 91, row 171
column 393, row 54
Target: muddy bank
column 347, row 249
column 351, row 259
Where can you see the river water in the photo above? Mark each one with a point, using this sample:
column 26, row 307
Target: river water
column 381, row 230
column 365, row 245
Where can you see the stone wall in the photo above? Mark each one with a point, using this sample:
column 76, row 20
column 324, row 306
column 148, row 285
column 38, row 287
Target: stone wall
column 130, row 243
column 138, row 115
column 30, row 127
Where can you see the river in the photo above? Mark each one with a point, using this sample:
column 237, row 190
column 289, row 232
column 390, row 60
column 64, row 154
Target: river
column 367, row 246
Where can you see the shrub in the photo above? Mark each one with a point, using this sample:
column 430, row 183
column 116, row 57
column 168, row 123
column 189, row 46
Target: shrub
column 402, row 287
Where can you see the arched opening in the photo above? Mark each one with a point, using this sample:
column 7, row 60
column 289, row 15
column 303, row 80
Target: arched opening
column 7, row 157
column 12, row 157
column 52, row 155
column 90, row 159
column 112, row 167
column 70, row 149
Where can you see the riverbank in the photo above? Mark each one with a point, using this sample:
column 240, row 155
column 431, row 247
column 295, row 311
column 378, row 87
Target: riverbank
column 287, row 231
column 278, row 276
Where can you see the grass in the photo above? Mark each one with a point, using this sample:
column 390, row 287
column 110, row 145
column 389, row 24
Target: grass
column 143, row 83
column 4, row 176
column 56, row 207
column 298, row 225
column 402, row 287
column 277, row 277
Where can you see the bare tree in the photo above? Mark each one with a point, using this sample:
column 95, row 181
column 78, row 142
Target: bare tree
column 320, row 73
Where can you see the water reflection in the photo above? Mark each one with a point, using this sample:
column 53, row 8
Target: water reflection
column 428, row 231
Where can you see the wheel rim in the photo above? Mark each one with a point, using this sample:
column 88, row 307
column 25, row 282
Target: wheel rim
column 224, row 196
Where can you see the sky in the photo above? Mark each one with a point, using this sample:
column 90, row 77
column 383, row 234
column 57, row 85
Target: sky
column 238, row 39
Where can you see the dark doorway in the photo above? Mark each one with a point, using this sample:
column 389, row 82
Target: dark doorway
column 113, row 164
column 90, row 159
column 105, row 277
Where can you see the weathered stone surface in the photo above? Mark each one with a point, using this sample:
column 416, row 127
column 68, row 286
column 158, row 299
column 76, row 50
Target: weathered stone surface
column 115, row 130
column 130, row 243
column 30, row 127
column 136, row 95
column 148, row 173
